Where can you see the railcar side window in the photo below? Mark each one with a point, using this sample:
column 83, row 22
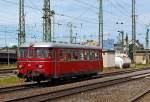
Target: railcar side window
column 68, row 55
column 96, row 55
column 63, row 55
column 31, row 53
column 42, row 53
column 92, row 55
column 100, row 55
column 81, row 55
column 87, row 55
column 50, row 52
column 75, row 55
column 23, row 53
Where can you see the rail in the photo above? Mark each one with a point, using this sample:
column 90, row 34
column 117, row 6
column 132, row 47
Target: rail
column 139, row 96
column 78, row 89
column 33, row 85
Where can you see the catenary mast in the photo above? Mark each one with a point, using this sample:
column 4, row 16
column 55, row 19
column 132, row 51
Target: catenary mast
column 133, row 28
column 100, row 39
column 47, row 21
column 21, row 35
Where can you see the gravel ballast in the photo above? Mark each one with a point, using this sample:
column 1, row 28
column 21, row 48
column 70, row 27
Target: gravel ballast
column 116, row 93
column 102, row 93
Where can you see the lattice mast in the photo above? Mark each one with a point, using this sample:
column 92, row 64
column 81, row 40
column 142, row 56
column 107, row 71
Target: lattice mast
column 21, row 35
column 133, row 28
column 100, row 38
column 47, row 14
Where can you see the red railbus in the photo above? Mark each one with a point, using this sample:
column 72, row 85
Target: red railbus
column 45, row 61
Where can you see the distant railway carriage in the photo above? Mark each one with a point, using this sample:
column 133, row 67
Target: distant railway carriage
column 43, row 61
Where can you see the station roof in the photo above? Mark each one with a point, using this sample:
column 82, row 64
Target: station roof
column 143, row 51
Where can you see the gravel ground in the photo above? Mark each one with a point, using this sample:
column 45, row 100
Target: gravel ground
column 19, row 94
column 88, row 97
column 107, row 70
column 146, row 98
column 5, row 97
column 6, row 75
column 117, row 93
column 2, row 76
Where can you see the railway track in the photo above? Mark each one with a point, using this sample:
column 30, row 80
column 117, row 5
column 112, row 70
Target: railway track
column 16, row 88
column 78, row 89
column 61, row 82
column 123, row 72
column 140, row 96
column 4, row 71
column 7, row 72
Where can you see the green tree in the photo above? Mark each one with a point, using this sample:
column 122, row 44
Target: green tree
column 14, row 47
column 130, row 53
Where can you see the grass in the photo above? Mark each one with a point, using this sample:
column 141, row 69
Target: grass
column 9, row 81
column 132, row 66
column 14, row 80
column 140, row 65
column 5, row 66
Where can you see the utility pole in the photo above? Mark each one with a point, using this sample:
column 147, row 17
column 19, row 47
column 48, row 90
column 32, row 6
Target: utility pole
column 7, row 48
column 147, row 38
column 133, row 28
column 71, row 32
column 126, row 39
column 100, row 39
column 121, row 37
column 127, row 43
column 21, row 35
column 122, row 41
column 47, row 14
column 76, row 38
column 53, row 36
column 147, row 45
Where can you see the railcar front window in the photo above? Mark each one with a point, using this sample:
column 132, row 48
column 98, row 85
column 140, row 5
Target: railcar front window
column 42, row 53
column 23, row 53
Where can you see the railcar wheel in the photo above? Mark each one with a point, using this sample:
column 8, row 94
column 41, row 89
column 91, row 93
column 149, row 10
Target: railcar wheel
column 28, row 80
column 94, row 74
column 91, row 75
column 38, row 81
column 56, row 80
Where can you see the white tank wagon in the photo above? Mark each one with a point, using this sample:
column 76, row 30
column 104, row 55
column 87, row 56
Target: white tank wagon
column 122, row 61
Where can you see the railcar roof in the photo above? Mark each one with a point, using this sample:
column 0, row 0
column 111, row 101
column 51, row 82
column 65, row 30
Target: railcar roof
column 59, row 45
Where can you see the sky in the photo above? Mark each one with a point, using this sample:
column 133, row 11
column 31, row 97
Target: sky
column 83, row 14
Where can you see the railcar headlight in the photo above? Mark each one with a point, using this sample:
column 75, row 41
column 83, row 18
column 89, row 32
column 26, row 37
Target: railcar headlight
column 40, row 66
column 20, row 66
column 29, row 65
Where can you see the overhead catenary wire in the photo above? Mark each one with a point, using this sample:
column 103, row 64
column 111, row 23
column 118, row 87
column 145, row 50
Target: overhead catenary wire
column 64, row 15
column 80, row 18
